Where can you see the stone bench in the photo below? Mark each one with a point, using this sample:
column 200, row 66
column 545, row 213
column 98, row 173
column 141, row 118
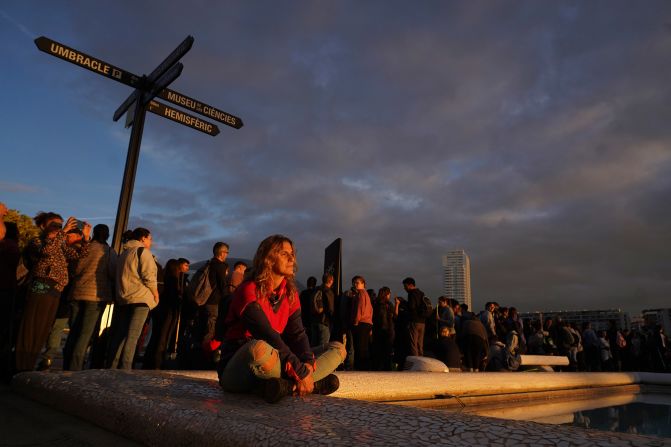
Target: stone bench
column 159, row 408
column 544, row 360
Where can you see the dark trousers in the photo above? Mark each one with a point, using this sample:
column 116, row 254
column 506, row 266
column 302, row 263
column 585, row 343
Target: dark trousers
column 84, row 318
column 592, row 359
column 210, row 319
column 361, row 333
column 382, row 350
column 38, row 318
column 416, row 335
column 163, row 322
column 8, row 326
column 475, row 352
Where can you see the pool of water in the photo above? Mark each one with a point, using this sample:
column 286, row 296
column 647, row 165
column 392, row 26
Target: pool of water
column 643, row 414
column 638, row 418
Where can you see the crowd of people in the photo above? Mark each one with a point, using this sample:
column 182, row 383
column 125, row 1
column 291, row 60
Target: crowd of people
column 248, row 323
column 252, row 324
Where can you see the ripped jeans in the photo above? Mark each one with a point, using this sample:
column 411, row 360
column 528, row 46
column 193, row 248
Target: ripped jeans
column 257, row 360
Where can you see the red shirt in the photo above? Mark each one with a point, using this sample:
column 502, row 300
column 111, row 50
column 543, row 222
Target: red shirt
column 245, row 294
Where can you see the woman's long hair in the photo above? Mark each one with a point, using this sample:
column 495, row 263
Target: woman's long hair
column 264, row 259
column 384, row 294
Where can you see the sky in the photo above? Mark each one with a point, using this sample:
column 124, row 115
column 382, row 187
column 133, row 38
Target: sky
column 535, row 135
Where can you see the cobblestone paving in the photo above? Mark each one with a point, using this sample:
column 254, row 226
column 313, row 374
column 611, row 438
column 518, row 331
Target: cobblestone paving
column 161, row 409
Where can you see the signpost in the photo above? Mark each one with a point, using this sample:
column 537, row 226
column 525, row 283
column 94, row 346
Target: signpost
column 146, row 89
column 85, row 61
column 200, row 108
column 183, row 118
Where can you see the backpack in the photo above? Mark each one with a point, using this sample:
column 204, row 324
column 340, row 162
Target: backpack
column 426, row 307
column 200, row 289
column 317, row 303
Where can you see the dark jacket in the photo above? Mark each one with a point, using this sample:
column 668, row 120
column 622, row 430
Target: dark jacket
column 328, row 303
column 474, row 327
column 415, row 302
column 218, row 281
column 305, row 299
column 383, row 319
column 447, row 351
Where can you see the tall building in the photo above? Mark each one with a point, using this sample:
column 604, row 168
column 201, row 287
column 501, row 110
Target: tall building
column 457, row 277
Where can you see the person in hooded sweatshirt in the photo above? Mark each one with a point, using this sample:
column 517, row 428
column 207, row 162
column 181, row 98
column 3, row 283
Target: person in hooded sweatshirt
column 137, row 294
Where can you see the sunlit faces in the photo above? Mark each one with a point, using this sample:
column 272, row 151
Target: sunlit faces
column 359, row 284
column 285, row 260
column 147, row 241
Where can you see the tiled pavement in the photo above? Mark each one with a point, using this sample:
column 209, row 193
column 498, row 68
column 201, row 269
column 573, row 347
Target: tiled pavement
column 158, row 408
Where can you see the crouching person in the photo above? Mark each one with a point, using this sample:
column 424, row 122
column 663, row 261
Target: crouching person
column 265, row 348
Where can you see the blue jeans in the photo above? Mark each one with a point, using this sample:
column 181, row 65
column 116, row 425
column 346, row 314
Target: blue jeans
column 320, row 334
column 83, row 321
column 129, row 321
column 55, row 338
column 256, row 360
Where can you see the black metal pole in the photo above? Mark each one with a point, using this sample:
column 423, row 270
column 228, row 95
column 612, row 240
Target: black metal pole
column 132, row 158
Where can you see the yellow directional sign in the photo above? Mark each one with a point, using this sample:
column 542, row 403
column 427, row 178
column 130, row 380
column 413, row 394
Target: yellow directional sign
column 183, row 118
column 199, row 107
column 85, row 61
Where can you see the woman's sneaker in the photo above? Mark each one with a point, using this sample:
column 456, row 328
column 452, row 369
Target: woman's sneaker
column 327, row 385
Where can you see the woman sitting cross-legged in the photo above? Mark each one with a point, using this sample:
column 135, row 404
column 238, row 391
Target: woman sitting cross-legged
column 265, row 347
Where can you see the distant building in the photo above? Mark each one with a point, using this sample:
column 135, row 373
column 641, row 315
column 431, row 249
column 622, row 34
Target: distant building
column 661, row 317
column 598, row 318
column 457, row 277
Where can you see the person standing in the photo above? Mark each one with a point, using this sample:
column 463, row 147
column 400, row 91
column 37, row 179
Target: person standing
column 322, row 307
column 237, row 276
column 9, row 260
column 48, row 256
column 445, row 316
column 219, row 283
column 137, row 294
column 487, row 320
column 417, row 320
column 592, row 348
column 90, row 292
column 384, row 315
column 475, row 345
column 164, row 316
column 305, row 299
column 362, row 323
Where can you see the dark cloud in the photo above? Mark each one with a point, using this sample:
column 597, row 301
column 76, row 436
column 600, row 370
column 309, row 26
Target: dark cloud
column 534, row 136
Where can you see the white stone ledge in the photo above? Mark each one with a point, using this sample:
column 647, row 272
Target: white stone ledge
column 162, row 409
column 544, row 360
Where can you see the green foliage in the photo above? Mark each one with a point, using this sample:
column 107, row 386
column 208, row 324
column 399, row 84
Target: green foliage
column 27, row 229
